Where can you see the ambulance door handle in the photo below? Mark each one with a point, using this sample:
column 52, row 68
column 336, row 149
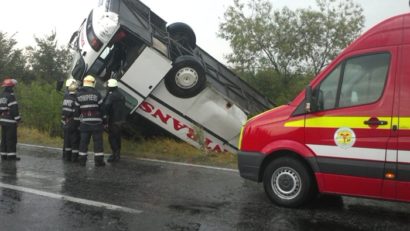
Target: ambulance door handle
column 375, row 122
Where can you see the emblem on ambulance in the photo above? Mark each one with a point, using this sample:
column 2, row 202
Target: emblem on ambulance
column 345, row 137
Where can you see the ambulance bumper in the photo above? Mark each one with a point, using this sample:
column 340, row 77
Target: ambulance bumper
column 249, row 164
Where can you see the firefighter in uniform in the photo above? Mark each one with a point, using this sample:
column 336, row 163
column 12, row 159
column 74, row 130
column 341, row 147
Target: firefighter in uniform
column 9, row 117
column 114, row 108
column 71, row 121
column 89, row 103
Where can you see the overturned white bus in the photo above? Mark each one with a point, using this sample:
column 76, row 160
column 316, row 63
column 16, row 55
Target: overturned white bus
column 164, row 75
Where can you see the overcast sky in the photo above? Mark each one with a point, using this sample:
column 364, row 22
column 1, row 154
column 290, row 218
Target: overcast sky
column 27, row 18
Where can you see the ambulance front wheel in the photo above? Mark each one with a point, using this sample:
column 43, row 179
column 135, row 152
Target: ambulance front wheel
column 186, row 78
column 288, row 182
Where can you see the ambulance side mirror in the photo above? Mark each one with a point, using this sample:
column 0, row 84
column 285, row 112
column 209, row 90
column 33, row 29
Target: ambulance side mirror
column 311, row 100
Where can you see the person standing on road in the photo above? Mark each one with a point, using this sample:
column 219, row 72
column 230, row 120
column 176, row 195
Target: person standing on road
column 9, row 118
column 89, row 103
column 114, row 108
column 71, row 121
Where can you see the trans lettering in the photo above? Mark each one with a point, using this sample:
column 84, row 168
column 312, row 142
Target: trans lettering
column 179, row 126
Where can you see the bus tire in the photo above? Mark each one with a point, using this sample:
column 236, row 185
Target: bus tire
column 183, row 34
column 187, row 77
column 288, row 182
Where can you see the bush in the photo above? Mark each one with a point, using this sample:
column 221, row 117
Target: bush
column 40, row 107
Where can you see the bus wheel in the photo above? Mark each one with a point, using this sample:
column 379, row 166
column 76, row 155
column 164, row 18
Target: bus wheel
column 183, row 34
column 186, row 78
column 288, row 182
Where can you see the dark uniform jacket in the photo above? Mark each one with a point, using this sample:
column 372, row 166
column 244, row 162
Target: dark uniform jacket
column 89, row 104
column 9, row 110
column 114, row 106
column 70, row 115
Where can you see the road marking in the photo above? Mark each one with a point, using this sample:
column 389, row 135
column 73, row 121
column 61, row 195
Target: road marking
column 151, row 160
column 39, row 146
column 189, row 165
column 71, row 199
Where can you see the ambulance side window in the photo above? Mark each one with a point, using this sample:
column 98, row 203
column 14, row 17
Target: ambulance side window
column 328, row 89
column 357, row 81
column 364, row 79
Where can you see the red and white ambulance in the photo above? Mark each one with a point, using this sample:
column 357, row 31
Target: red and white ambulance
column 348, row 133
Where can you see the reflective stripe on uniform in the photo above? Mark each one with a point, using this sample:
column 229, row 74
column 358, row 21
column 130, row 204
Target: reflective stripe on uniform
column 12, row 103
column 91, row 119
column 69, row 109
column 7, row 120
column 99, row 154
column 89, row 106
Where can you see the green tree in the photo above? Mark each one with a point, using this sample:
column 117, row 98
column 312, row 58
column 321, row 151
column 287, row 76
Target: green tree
column 38, row 68
column 270, row 84
column 47, row 60
column 12, row 60
column 289, row 44
column 324, row 33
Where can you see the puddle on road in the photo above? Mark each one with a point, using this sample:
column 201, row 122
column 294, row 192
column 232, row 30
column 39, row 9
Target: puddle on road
column 187, row 227
column 197, row 208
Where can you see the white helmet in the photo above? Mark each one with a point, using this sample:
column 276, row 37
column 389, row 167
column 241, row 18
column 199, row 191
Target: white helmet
column 71, row 84
column 112, row 83
column 89, row 81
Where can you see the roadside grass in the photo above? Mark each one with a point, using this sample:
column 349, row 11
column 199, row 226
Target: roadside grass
column 159, row 148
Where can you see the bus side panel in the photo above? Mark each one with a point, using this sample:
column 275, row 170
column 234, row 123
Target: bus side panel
column 181, row 127
column 147, row 71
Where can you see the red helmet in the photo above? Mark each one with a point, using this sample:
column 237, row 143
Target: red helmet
column 9, row 83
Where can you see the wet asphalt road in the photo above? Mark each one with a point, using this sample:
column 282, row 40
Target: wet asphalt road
column 41, row 192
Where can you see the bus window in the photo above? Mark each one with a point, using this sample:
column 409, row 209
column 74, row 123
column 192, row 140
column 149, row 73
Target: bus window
column 117, row 57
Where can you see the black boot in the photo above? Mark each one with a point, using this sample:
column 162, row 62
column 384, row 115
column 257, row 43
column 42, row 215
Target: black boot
column 82, row 160
column 13, row 158
column 74, row 157
column 111, row 158
column 99, row 161
column 117, row 156
column 68, row 156
column 114, row 157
